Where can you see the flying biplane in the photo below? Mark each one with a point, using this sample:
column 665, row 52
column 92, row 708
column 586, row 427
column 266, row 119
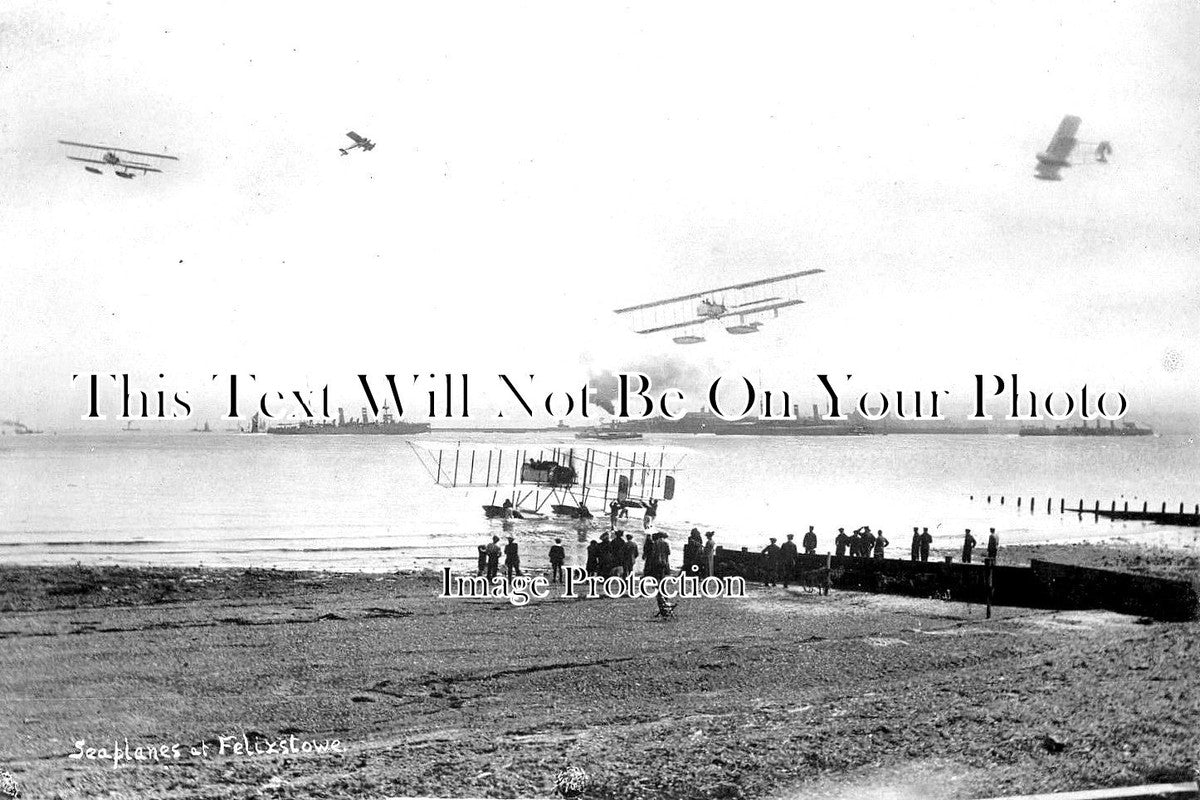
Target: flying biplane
column 359, row 141
column 575, row 483
column 742, row 300
column 122, row 167
column 1058, row 153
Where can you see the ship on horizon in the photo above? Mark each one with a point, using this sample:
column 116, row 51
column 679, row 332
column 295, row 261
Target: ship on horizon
column 385, row 425
column 1083, row 429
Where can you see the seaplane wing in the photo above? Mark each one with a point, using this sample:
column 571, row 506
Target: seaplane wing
column 117, row 150
column 740, row 312
column 1063, row 143
column 358, row 139
column 719, row 291
column 673, row 326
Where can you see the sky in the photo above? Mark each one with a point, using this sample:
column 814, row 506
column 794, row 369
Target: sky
column 541, row 164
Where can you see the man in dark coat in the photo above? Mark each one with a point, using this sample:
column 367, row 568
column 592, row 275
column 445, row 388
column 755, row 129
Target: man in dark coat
column 880, row 543
column 771, row 563
column 482, row 566
column 631, row 553
column 512, row 559
column 968, row 546
column 593, row 563
column 926, row 540
column 693, row 552
column 810, row 541
column 557, row 556
column 916, row 545
column 993, row 544
column 787, row 560
column 493, row 557
column 840, row 542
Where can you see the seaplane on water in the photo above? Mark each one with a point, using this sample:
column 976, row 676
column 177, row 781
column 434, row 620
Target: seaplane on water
column 741, row 301
column 359, row 141
column 1058, row 153
column 574, row 483
column 115, row 157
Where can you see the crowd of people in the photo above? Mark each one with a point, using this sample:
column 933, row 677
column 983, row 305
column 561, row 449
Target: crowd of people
column 613, row 554
column 616, row 554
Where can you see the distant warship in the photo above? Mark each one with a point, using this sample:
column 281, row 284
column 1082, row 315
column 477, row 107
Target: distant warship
column 385, row 425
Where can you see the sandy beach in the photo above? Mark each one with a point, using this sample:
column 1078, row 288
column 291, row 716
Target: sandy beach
column 780, row 694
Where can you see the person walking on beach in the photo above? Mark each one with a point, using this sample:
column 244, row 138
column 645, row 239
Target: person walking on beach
column 512, row 560
column 810, row 541
column 613, row 508
column 493, row 558
column 787, row 559
column 916, row 545
column 926, row 540
column 557, row 556
column 993, row 544
column 771, row 563
column 880, row 543
column 840, row 541
column 968, row 546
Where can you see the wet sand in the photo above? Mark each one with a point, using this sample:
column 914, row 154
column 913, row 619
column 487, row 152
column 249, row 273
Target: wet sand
column 779, row 694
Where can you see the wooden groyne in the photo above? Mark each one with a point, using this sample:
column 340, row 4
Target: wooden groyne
column 1043, row 584
column 1160, row 516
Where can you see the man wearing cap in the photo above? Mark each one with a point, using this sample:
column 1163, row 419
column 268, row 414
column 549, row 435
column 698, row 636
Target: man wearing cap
column 993, row 544
column 512, row 560
column 968, row 546
column 926, row 540
column 771, row 563
column 557, row 556
column 916, row 545
column 840, row 541
column 810, row 541
column 493, row 558
column 787, row 559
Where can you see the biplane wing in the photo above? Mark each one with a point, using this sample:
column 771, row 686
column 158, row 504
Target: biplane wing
column 1063, row 143
column 571, row 477
column 358, row 139
column 117, row 150
column 127, row 164
column 769, row 307
column 711, row 292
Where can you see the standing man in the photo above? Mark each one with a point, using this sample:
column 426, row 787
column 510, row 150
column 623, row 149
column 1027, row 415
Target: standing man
column 710, row 553
column 968, row 546
column 771, row 564
column 993, row 544
column 613, row 508
column 880, row 543
column 810, row 542
column 867, row 543
column 493, row 558
column 631, row 553
column 557, row 556
column 787, row 559
column 916, row 545
column 926, row 540
column 512, row 560
column 840, row 541
column 482, row 560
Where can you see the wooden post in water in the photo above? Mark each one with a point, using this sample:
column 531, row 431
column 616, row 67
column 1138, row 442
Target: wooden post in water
column 1181, row 508
column 1145, row 505
column 988, row 563
column 1047, row 505
column 1164, row 507
column 1126, row 505
column 989, row 498
column 1062, row 504
column 1001, row 499
column 1114, row 506
column 1097, row 505
column 828, row 571
column 1019, row 502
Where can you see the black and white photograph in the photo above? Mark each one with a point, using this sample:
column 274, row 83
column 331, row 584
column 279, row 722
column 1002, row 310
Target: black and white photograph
column 613, row 401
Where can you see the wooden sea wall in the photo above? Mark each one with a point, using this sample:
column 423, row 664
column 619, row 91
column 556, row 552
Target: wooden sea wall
column 1041, row 585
